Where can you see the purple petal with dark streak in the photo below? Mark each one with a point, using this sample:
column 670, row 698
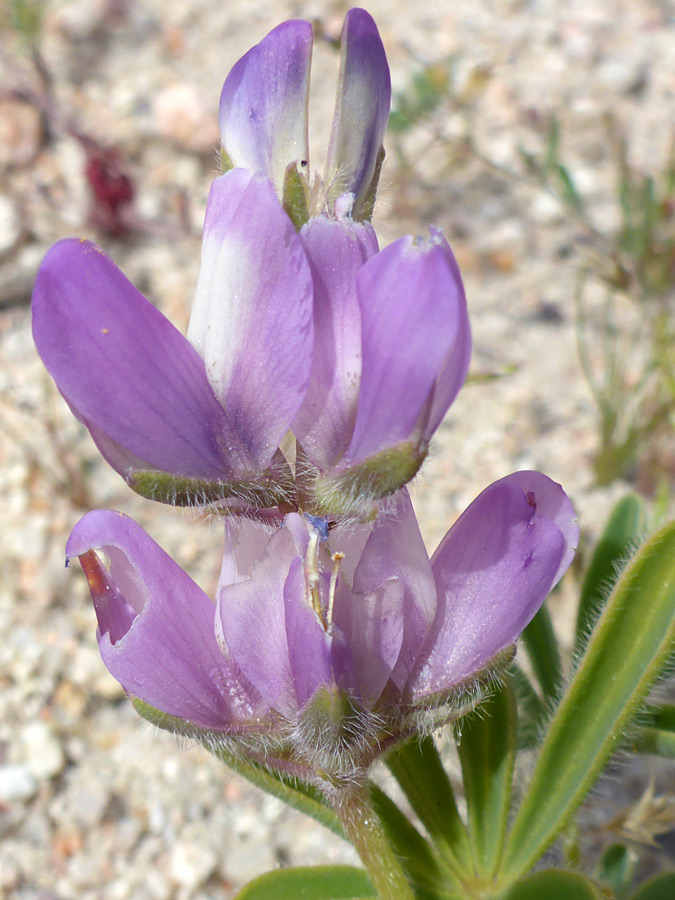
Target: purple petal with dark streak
column 493, row 571
column 156, row 625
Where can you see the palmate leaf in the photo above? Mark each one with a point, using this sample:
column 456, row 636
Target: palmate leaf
column 311, row 883
column 628, row 649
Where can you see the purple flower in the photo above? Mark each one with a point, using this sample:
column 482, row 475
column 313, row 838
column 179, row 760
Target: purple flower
column 317, row 630
column 188, row 420
column 346, row 357
column 263, row 112
column 359, row 352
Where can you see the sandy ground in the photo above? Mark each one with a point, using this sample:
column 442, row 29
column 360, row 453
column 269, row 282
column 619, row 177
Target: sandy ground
column 94, row 804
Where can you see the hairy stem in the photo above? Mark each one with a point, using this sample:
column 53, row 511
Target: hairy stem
column 353, row 807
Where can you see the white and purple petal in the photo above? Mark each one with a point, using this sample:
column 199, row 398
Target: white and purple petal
column 361, row 109
column 263, row 104
column 373, row 624
column 309, row 645
column 336, row 251
column 395, row 549
column 251, row 624
column 252, row 316
column 455, row 367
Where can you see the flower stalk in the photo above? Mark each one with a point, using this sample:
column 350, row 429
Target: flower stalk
column 363, row 828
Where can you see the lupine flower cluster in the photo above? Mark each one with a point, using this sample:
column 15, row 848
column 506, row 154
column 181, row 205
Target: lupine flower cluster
column 315, row 371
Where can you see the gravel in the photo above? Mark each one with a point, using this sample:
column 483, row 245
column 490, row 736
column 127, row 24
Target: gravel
column 94, row 803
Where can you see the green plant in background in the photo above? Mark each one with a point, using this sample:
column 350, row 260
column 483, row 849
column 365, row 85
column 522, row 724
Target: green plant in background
column 630, row 368
column 633, row 378
column 26, row 18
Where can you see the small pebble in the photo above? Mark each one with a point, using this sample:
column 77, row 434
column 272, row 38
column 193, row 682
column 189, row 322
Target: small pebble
column 182, row 116
column 10, row 223
column 20, row 133
column 16, row 783
column 44, row 755
column 191, row 864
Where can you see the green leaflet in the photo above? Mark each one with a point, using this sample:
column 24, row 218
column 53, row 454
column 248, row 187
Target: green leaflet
column 554, row 884
column 617, row 868
column 624, row 528
column 415, row 854
column 657, row 732
column 310, row 883
column 531, row 710
column 632, row 641
column 419, row 771
column 662, row 887
column 541, row 645
column 487, row 751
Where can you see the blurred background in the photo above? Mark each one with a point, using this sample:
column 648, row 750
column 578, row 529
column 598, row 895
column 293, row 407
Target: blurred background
column 539, row 136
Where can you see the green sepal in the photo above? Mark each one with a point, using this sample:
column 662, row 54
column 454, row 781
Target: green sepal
column 336, row 735
column 226, row 161
column 656, row 733
column 487, row 751
column 301, row 796
column 617, row 868
column 311, row 883
column 620, row 536
column 428, row 712
column 554, row 884
column 176, row 490
column 179, row 727
column 353, row 491
column 295, row 199
column 365, row 212
column 630, row 645
column 298, row 794
column 661, row 887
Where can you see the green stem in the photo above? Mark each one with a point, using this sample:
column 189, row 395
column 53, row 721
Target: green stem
column 362, row 826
